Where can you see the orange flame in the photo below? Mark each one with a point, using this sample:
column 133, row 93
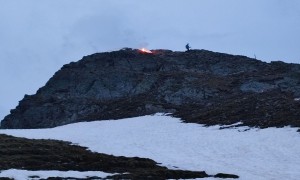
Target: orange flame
column 144, row 50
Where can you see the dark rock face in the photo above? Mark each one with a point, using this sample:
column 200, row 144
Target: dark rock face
column 199, row 86
column 222, row 175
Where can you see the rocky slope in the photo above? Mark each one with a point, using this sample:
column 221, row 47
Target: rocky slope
column 199, row 86
column 26, row 154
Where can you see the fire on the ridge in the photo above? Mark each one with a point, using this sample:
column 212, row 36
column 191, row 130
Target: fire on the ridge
column 144, row 50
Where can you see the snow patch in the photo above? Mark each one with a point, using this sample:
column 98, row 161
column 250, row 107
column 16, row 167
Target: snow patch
column 238, row 124
column 24, row 174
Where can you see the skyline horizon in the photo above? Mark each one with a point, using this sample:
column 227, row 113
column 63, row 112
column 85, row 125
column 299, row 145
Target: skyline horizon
column 39, row 37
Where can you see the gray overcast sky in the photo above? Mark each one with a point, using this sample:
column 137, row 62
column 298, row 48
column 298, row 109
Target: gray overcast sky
column 38, row 37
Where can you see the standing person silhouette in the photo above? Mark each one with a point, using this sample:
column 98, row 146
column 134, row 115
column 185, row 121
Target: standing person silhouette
column 187, row 46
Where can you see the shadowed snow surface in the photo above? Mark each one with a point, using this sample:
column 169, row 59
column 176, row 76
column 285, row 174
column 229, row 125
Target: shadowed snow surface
column 270, row 153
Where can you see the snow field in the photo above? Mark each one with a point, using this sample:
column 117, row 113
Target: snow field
column 271, row 153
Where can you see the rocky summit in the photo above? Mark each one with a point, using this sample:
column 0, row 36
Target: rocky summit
column 199, row 86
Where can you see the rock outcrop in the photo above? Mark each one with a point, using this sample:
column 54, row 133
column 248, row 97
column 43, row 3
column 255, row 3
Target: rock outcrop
column 199, row 86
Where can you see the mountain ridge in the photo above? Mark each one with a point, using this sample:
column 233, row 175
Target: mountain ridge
column 199, row 86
